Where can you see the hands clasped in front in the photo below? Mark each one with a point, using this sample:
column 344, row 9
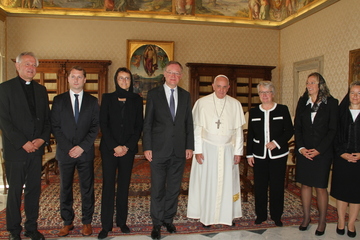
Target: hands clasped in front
column 34, row 145
column 309, row 153
column 351, row 157
column 120, row 151
column 76, row 152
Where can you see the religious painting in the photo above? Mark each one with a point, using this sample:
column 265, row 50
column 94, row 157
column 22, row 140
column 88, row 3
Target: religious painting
column 146, row 61
column 274, row 10
column 354, row 65
column 247, row 10
column 232, row 8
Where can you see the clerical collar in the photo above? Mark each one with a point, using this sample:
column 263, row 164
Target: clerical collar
column 25, row 82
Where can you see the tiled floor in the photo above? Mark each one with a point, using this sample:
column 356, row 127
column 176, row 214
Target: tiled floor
column 276, row 233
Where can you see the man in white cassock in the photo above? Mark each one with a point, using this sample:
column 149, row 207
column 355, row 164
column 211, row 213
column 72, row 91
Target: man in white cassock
column 214, row 189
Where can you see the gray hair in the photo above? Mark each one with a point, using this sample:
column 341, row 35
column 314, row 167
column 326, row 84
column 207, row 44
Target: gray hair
column 19, row 57
column 354, row 83
column 268, row 85
column 223, row 77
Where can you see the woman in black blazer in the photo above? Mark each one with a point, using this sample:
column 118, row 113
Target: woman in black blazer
column 270, row 129
column 121, row 121
column 315, row 129
column 346, row 170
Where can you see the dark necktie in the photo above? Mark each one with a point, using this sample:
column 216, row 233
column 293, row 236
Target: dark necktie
column 76, row 107
column 172, row 104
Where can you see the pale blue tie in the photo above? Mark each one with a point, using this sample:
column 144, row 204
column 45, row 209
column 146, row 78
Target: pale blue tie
column 76, row 107
column 172, row 104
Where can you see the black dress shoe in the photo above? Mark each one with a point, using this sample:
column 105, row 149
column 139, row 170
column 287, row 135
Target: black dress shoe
column 206, row 226
column 259, row 220
column 351, row 234
column 124, row 228
column 170, row 227
column 103, row 234
column 156, row 233
column 340, row 231
column 14, row 236
column 278, row 223
column 320, row 233
column 35, row 235
column 301, row 228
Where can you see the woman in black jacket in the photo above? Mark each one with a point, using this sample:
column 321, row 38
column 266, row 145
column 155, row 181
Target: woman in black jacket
column 121, row 122
column 270, row 129
column 346, row 169
column 315, row 129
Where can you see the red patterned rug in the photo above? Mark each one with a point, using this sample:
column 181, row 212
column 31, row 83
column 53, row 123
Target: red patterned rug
column 139, row 219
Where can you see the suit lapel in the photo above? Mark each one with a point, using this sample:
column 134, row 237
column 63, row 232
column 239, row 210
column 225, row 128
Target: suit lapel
column 180, row 111
column 84, row 105
column 69, row 107
column 164, row 102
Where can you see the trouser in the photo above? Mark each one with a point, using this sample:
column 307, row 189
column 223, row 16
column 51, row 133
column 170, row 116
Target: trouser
column 123, row 166
column 166, row 177
column 86, row 177
column 26, row 172
column 269, row 173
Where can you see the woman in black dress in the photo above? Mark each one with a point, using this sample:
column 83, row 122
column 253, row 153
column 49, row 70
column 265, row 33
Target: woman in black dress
column 346, row 170
column 315, row 130
column 121, row 122
column 270, row 129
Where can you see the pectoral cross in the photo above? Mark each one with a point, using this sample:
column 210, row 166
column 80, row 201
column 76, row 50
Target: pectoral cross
column 218, row 123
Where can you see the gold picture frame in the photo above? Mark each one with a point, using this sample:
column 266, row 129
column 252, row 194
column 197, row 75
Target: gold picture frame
column 146, row 61
column 354, row 65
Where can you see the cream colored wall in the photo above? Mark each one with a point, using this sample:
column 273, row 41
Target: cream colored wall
column 106, row 40
column 332, row 32
column 2, row 50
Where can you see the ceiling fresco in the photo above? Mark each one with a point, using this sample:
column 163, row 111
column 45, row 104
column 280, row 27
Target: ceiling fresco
column 258, row 13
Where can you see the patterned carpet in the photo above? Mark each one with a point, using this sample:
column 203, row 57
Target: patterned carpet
column 139, row 204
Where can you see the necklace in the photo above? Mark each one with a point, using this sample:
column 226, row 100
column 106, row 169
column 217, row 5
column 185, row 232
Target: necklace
column 219, row 116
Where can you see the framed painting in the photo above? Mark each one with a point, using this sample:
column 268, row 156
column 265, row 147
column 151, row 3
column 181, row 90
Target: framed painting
column 146, row 61
column 354, row 65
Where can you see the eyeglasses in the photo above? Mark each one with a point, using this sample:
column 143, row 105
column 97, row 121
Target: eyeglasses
column 124, row 78
column 171, row 73
column 355, row 93
column 263, row 93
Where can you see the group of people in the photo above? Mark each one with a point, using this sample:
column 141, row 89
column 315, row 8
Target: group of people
column 211, row 133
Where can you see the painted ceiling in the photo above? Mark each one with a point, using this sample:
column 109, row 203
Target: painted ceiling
column 250, row 13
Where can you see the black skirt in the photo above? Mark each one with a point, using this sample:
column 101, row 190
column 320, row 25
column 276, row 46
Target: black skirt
column 313, row 173
column 345, row 184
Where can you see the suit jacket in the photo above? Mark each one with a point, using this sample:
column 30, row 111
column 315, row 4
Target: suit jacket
column 162, row 135
column 321, row 133
column 113, row 134
column 16, row 121
column 69, row 134
column 281, row 130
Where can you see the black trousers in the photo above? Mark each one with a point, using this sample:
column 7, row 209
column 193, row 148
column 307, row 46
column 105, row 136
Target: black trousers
column 111, row 164
column 269, row 174
column 166, row 177
column 86, row 177
column 27, row 172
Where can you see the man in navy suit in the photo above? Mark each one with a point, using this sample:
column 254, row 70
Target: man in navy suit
column 25, row 125
column 75, row 125
column 168, row 141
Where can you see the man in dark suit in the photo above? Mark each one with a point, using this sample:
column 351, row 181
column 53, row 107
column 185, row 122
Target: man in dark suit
column 75, row 125
column 25, row 125
column 168, row 141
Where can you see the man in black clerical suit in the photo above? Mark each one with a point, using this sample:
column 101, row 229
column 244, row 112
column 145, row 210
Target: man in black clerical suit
column 75, row 125
column 25, row 125
column 168, row 141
